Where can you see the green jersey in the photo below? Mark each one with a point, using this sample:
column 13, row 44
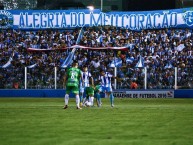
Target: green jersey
column 90, row 91
column 73, row 76
column 97, row 88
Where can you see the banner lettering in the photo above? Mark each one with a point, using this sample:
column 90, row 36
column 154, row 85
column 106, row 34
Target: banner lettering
column 43, row 19
column 144, row 94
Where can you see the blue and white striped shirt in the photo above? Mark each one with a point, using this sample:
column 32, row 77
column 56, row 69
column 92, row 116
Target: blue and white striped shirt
column 105, row 80
column 85, row 78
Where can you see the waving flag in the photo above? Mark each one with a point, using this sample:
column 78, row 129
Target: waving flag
column 116, row 63
column 140, row 62
column 79, row 36
column 180, row 47
column 129, row 60
column 168, row 65
column 32, row 66
column 69, row 58
column 8, row 63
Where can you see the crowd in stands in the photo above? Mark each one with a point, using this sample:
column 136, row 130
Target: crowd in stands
column 161, row 50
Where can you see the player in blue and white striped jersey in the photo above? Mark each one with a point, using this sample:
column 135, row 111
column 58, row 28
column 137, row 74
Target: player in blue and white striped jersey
column 106, row 86
column 86, row 77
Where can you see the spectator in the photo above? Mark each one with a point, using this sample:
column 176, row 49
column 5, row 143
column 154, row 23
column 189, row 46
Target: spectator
column 133, row 84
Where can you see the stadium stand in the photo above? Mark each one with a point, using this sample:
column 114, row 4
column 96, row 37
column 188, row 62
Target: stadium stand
column 161, row 50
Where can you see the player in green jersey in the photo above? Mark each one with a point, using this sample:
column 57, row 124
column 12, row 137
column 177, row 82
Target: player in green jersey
column 89, row 101
column 71, row 80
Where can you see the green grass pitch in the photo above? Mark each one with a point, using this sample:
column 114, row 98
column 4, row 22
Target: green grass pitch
column 42, row 121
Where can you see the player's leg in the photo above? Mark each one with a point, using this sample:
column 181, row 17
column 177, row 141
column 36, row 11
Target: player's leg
column 109, row 90
column 66, row 98
column 98, row 90
column 99, row 95
column 112, row 99
column 90, row 92
column 75, row 90
column 104, row 90
column 98, row 98
column 77, row 101
column 86, row 98
column 81, row 95
column 81, row 99
column 91, row 99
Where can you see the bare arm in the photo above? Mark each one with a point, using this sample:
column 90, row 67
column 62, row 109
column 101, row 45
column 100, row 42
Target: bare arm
column 64, row 81
column 92, row 81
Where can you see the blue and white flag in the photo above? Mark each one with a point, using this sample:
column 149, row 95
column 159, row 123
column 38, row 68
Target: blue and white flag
column 69, row 58
column 32, row 66
column 180, row 47
column 116, row 63
column 140, row 62
column 100, row 39
column 8, row 63
column 79, row 36
column 129, row 60
column 168, row 65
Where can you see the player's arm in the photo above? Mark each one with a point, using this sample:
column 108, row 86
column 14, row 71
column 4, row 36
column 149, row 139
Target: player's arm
column 117, row 78
column 98, row 80
column 64, row 80
column 80, row 76
column 92, row 81
column 111, row 76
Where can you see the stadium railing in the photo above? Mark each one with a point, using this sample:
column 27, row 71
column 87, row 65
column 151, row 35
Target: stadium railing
column 50, row 77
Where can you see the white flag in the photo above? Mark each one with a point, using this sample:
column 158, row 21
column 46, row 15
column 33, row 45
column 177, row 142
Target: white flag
column 180, row 47
column 8, row 63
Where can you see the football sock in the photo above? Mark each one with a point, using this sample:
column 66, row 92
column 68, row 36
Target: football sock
column 81, row 98
column 77, row 101
column 98, row 97
column 112, row 99
column 92, row 101
column 66, row 98
column 84, row 100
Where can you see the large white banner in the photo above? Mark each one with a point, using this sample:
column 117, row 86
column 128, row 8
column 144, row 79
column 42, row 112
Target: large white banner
column 41, row 19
